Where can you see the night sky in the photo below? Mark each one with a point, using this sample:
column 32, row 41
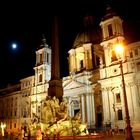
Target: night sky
column 24, row 24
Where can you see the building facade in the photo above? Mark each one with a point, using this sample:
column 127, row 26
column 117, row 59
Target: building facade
column 93, row 86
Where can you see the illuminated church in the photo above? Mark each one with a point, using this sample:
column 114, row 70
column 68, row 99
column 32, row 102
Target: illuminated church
column 94, row 84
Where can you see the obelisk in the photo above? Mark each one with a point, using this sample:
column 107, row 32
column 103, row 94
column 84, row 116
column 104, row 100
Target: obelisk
column 55, row 83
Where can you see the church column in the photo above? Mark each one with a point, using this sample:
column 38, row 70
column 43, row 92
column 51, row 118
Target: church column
column 135, row 100
column 130, row 100
column 108, row 102
column 45, row 75
column 70, row 63
column 73, row 61
column 111, row 101
column 83, row 108
column 70, row 107
column 87, row 59
column 88, row 109
column 93, row 109
column 106, row 107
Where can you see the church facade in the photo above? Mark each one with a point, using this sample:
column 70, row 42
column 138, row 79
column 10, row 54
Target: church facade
column 93, row 86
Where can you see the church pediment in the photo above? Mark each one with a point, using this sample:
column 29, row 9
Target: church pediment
column 73, row 84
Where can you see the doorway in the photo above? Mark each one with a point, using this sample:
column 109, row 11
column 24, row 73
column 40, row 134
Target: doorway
column 99, row 119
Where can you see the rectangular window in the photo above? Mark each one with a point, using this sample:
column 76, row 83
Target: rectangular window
column 136, row 52
column 114, row 57
column 40, row 78
column 47, row 57
column 81, row 64
column 120, row 114
column 110, row 31
column 131, row 54
column 40, row 58
column 118, row 98
column 14, row 125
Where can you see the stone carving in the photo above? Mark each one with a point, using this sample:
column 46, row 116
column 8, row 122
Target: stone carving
column 54, row 116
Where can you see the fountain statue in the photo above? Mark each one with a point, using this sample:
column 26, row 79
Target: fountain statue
column 54, row 117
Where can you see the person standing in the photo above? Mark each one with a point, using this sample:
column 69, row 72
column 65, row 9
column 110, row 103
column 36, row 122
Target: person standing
column 29, row 134
column 39, row 134
column 22, row 133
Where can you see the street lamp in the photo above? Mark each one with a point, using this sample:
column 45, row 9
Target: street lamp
column 128, row 130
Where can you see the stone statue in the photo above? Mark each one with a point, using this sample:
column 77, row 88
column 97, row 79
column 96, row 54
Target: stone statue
column 54, row 115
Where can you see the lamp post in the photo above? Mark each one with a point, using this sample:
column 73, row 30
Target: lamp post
column 128, row 129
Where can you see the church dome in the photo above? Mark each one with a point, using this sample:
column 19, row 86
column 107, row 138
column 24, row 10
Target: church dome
column 88, row 34
column 109, row 13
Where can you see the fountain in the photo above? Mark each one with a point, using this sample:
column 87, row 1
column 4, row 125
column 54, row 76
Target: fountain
column 54, row 117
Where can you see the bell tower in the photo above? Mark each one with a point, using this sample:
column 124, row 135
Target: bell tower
column 43, row 63
column 112, row 33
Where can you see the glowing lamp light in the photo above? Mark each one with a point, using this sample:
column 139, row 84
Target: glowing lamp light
column 2, row 128
column 119, row 49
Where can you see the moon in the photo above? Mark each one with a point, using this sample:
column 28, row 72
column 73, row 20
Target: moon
column 14, row 46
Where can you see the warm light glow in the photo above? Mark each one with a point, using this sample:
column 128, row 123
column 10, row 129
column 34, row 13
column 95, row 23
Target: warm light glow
column 80, row 55
column 2, row 128
column 119, row 49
